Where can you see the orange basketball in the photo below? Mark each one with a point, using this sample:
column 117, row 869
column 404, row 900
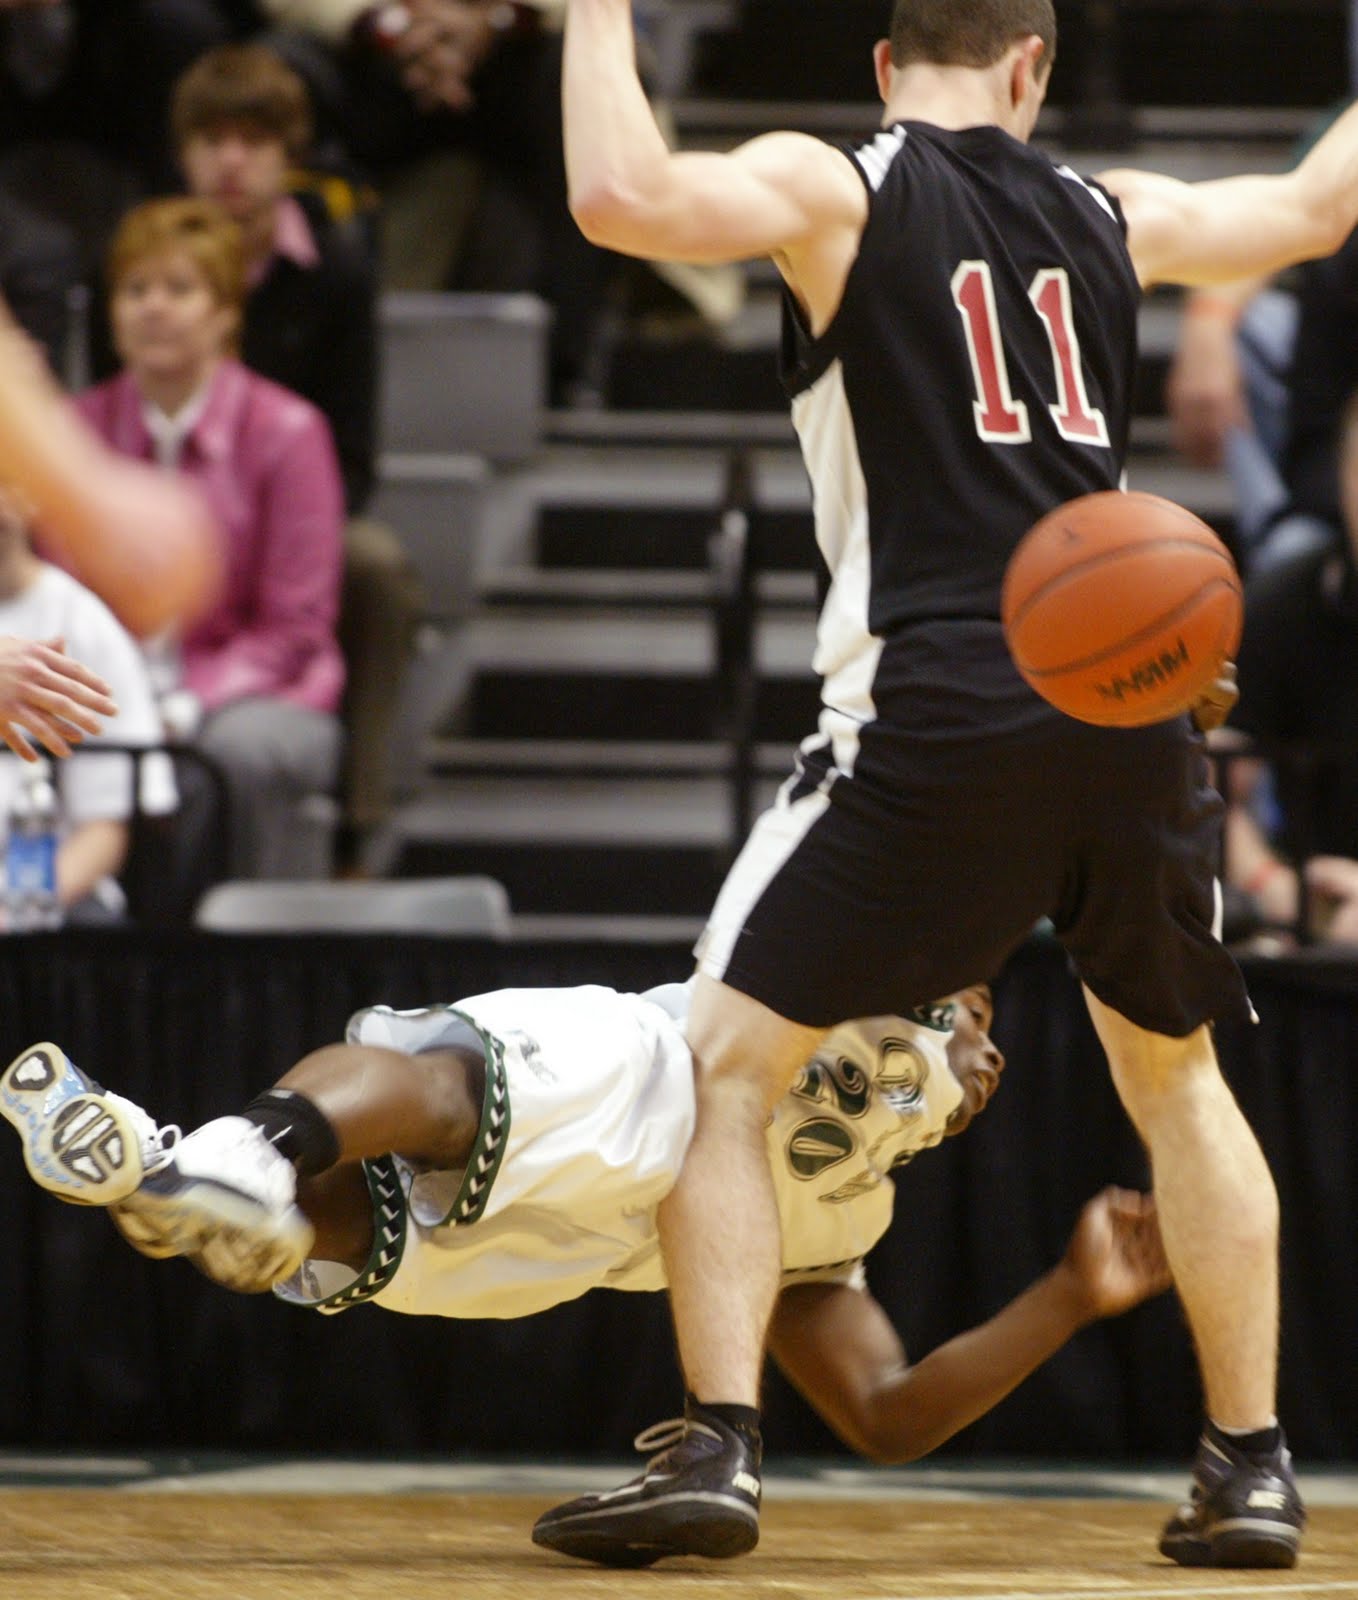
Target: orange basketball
column 1120, row 608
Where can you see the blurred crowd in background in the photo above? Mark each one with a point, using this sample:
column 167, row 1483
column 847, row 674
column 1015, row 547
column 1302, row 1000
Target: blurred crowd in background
column 201, row 202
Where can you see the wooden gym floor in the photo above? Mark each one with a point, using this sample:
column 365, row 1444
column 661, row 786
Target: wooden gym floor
column 382, row 1531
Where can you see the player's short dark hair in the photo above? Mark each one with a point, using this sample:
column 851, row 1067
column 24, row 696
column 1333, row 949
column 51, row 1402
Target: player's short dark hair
column 242, row 85
column 968, row 33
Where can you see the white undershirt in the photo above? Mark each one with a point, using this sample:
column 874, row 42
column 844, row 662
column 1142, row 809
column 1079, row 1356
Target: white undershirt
column 169, row 433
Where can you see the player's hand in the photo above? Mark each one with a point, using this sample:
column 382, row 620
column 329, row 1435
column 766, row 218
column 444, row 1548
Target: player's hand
column 1218, row 699
column 46, row 696
column 1204, row 393
column 1115, row 1253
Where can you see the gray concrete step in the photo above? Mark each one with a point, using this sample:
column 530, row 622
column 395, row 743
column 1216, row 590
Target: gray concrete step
column 451, row 756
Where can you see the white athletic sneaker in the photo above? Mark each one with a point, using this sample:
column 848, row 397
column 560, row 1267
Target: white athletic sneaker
column 226, row 1199
column 81, row 1143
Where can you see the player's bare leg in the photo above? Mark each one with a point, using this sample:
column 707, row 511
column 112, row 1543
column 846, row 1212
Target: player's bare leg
column 339, row 1208
column 1218, row 1213
column 226, row 1195
column 720, row 1238
column 719, row 1225
column 377, row 1100
column 229, row 1197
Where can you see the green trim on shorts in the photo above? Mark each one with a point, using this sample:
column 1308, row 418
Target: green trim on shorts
column 390, row 1207
column 937, row 1017
column 389, row 1238
column 492, row 1136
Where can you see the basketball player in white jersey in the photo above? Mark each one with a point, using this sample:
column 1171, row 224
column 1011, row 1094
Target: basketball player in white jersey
column 504, row 1154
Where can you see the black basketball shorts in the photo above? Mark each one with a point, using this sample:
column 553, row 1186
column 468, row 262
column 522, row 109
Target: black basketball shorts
column 907, row 857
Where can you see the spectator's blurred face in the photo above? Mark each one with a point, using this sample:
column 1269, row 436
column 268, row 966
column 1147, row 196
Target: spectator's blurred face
column 242, row 168
column 167, row 320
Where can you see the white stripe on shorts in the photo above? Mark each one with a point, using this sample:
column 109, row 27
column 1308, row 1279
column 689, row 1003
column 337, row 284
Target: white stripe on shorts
column 773, row 840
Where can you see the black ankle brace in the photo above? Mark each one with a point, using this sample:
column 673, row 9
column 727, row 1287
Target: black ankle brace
column 1264, row 1443
column 297, row 1128
column 743, row 1420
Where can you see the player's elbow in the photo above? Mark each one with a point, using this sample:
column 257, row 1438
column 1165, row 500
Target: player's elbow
column 886, row 1434
column 608, row 213
column 887, row 1444
column 1328, row 219
column 595, row 210
column 1337, row 225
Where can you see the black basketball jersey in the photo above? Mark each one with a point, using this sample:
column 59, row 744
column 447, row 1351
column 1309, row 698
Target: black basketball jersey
column 977, row 373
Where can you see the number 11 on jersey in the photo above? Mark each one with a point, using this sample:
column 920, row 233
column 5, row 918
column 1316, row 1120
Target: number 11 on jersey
column 1000, row 418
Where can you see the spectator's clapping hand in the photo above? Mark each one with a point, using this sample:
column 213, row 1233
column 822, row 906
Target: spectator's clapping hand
column 439, row 52
column 1204, row 393
column 44, row 695
column 1332, row 882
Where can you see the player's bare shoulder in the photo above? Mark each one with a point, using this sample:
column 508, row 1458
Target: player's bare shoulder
column 833, row 200
column 820, row 172
column 1156, row 211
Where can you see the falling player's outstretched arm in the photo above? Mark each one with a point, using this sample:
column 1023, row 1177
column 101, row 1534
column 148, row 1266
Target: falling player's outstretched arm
column 778, row 195
column 1229, row 228
column 840, row 1351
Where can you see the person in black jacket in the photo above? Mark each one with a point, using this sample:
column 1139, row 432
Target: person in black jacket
column 241, row 123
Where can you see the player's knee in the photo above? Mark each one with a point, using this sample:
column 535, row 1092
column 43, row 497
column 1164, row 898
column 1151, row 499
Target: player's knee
column 453, row 1090
column 1153, row 1073
column 741, row 1087
column 877, row 1444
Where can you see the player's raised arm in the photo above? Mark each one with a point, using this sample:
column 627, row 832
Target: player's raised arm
column 631, row 193
column 141, row 538
column 838, row 1347
column 1229, row 228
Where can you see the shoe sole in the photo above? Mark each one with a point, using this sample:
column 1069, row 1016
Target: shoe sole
column 228, row 1236
column 78, row 1145
column 1237, row 1544
column 693, row 1524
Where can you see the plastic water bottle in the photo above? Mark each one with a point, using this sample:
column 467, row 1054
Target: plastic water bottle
column 31, row 852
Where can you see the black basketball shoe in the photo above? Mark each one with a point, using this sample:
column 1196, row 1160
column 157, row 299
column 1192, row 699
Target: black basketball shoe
column 698, row 1497
column 1245, row 1511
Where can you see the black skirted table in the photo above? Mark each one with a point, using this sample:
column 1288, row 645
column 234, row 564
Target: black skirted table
column 100, row 1349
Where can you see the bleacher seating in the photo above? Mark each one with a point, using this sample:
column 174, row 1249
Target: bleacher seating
column 463, row 372
column 572, row 739
column 471, row 907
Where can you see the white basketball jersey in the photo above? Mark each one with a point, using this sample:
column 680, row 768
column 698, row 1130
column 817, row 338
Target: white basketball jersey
column 589, row 1112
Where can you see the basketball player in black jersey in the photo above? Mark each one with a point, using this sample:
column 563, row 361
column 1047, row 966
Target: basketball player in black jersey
column 960, row 344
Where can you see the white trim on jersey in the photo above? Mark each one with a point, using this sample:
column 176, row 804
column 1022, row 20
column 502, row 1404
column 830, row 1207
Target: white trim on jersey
column 875, row 158
column 1095, row 193
column 846, row 654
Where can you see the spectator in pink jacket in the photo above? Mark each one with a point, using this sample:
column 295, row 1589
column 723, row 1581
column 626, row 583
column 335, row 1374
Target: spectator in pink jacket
column 255, row 683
